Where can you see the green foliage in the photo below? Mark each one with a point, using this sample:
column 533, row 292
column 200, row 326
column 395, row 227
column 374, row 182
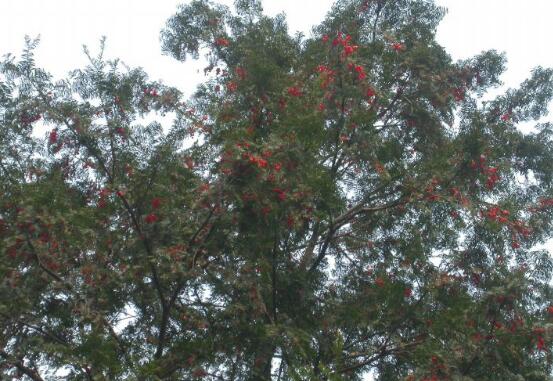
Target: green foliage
column 321, row 207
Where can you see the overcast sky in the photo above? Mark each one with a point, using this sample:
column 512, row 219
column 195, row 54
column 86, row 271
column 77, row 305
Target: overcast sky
column 521, row 29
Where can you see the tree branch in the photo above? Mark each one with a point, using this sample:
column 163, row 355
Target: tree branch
column 29, row 372
column 344, row 219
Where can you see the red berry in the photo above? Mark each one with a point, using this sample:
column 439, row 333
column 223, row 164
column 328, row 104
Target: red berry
column 53, row 138
column 151, row 218
column 156, row 203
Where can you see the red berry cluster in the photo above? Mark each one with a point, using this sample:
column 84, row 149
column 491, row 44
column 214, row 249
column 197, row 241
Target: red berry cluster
column 280, row 194
column 398, row 46
column 538, row 339
column 490, row 172
column 294, row 91
column 517, row 227
column 459, row 94
column 327, row 74
column 358, row 70
column 151, row 92
column 506, row 117
column 222, row 42
column 497, row 214
column 431, row 189
column 232, row 87
column 345, row 42
column 53, row 137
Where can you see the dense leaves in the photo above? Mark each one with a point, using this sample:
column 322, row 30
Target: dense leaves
column 321, row 207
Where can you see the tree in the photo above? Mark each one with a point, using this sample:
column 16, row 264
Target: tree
column 322, row 206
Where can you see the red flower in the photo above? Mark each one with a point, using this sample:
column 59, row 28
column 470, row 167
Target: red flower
column 407, row 292
column 277, row 167
column 152, row 92
column 251, row 158
column 156, row 203
column 294, row 91
column 232, row 86
column 240, row 72
column 338, row 40
column 151, row 218
column 459, row 94
column 398, row 46
column 222, row 42
column 370, row 92
column 290, row 221
column 493, row 177
column 350, row 49
column 379, row 282
column 360, row 70
column 540, row 343
column 550, row 310
column 280, row 193
column 53, row 138
column 325, row 38
column 506, row 117
column 493, row 212
column 323, row 69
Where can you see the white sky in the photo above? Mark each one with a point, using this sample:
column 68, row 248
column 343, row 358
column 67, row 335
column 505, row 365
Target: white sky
column 521, row 29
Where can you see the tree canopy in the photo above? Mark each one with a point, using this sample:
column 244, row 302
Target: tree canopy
column 322, row 206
